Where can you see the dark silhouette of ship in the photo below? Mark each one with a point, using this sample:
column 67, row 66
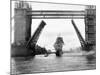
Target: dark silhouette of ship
column 58, row 45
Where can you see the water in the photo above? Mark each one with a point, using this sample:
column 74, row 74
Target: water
column 51, row 63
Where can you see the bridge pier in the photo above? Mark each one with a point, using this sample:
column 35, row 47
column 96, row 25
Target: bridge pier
column 22, row 28
column 90, row 25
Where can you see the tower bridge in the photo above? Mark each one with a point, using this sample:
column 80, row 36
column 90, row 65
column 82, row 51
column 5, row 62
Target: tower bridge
column 23, row 15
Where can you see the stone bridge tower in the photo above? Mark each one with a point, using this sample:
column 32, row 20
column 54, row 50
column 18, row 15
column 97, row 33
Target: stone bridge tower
column 90, row 24
column 22, row 25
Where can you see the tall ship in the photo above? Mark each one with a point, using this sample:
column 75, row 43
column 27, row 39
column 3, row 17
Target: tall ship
column 58, row 45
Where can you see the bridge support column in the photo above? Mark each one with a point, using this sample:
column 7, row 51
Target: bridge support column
column 22, row 28
column 90, row 25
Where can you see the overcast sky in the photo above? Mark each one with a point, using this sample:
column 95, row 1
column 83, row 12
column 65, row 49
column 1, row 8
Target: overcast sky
column 55, row 27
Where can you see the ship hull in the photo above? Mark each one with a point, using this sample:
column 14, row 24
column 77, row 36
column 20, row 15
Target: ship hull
column 59, row 53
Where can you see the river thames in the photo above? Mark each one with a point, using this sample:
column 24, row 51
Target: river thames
column 40, row 63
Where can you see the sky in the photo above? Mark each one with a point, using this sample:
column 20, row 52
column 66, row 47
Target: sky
column 55, row 27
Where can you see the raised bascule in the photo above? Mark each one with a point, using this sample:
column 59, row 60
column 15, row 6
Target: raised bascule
column 33, row 40
column 24, row 43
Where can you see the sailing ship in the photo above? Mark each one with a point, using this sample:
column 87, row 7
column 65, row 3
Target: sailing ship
column 58, row 45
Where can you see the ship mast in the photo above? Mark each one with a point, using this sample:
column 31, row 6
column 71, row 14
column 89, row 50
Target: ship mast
column 58, row 45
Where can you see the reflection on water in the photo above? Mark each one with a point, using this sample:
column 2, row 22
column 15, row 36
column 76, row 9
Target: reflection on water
column 51, row 63
column 91, row 59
